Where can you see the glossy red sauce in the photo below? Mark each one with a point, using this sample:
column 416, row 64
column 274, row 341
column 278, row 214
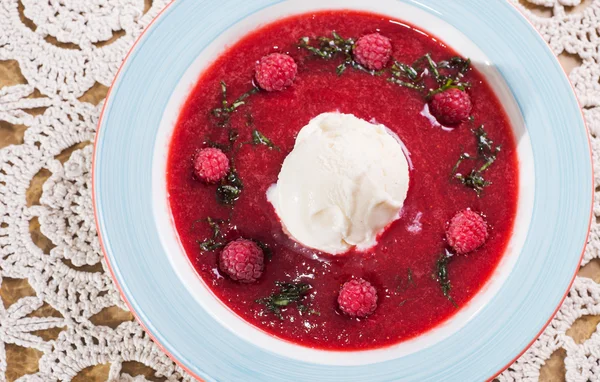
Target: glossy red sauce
column 405, row 309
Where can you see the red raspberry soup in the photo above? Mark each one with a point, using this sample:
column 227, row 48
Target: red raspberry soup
column 412, row 244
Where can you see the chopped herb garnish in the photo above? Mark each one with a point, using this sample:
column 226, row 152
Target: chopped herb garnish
column 407, row 76
column 410, row 277
column 463, row 157
column 489, row 162
column 234, row 180
column 329, row 48
column 406, row 71
column 433, row 68
column 224, row 112
column 412, row 76
column 326, row 50
column 287, row 294
column 406, row 84
column 227, row 194
column 215, row 225
column 305, row 309
column 485, row 146
column 230, row 189
column 442, row 277
column 449, row 84
column 474, row 180
column 446, row 82
column 487, row 153
column 456, row 63
column 259, row 138
column 209, row 245
column 216, row 241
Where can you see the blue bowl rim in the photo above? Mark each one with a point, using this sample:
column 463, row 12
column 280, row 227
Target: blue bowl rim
column 133, row 48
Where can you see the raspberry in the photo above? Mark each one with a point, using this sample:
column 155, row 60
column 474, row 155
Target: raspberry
column 242, row 260
column 466, row 232
column 358, row 298
column 373, row 51
column 451, row 107
column 276, row 72
column 211, row 165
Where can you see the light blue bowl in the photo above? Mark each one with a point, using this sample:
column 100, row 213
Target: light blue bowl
column 179, row 312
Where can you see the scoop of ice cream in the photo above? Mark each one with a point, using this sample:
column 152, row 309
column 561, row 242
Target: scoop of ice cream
column 343, row 183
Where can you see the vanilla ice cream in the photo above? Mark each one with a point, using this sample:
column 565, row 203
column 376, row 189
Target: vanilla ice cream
column 343, row 183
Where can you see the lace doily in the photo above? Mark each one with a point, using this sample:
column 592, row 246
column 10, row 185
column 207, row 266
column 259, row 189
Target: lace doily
column 64, row 48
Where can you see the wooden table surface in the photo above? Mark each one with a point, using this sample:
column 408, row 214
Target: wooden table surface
column 23, row 361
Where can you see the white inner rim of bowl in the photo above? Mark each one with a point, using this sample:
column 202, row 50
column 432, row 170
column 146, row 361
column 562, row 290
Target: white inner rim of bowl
column 424, row 21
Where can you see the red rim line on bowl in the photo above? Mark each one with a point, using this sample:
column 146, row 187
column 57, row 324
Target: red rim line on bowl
column 110, row 269
column 171, row 356
column 587, row 130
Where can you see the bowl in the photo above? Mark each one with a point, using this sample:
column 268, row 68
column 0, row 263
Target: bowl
column 180, row 312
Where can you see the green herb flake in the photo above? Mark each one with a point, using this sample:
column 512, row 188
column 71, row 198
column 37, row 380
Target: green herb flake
column 463, row 157
column 462, row 64
column 442, row 276
column 487, row 153
column 406, row 84
column 406, row 76
column 288, row 293
column 224, row 112
column 332, row 47
column 230, row 189
column 403, row 70
column 457, row 63
column 433, row 67
column 214, row 242
column 209, row 245
column 303, row 309
column 474, row 180
column 485, row 146
column 234, row 180
column 448, row 84
column 447, row 81
column 324, row 51
column 227, row 194
column 412, row 76
column 259, row 138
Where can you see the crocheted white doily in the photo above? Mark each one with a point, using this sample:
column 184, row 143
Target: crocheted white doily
column 63, row 73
